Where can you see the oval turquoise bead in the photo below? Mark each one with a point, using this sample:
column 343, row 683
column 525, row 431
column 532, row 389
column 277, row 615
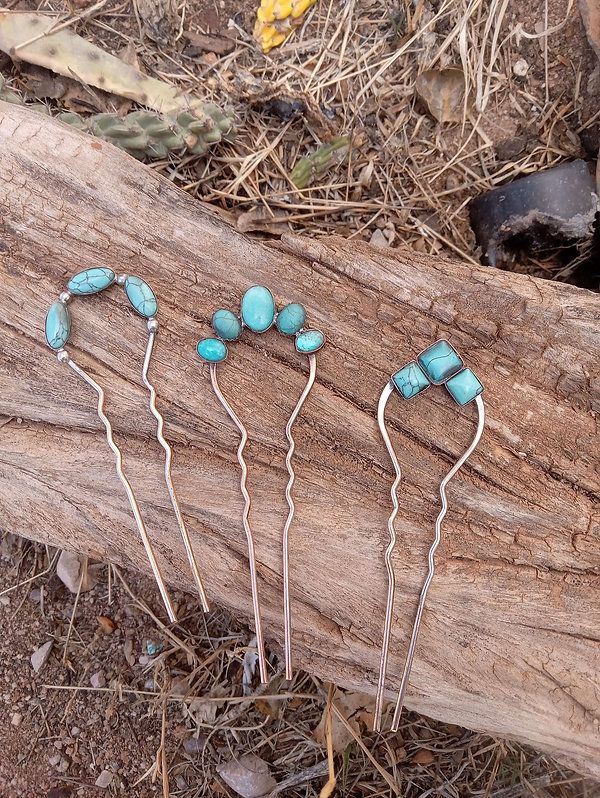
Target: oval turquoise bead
column 226, row 324
column 58, row 325
column 291, row 318
column 212, row 350
column 91, row 281
column 258, row 309
column 310, row 341
column 141, row 296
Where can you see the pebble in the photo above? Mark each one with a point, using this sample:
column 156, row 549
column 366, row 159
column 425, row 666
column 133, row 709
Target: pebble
column 40, row 656
column 98, row 679
column 520, row 68
column 104, row 779
column 16, row 719
column 379, row 240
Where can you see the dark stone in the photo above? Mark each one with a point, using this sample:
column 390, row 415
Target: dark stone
column 542, row 211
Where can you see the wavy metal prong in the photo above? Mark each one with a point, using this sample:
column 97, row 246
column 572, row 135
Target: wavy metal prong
column 128, row 489
column 383, row 400
column 431, row 561
column 287, row 612
column 152, row 330
column 262, row 661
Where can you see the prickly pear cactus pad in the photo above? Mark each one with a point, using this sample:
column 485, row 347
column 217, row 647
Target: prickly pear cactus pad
column 178, row 123
column 276, row 19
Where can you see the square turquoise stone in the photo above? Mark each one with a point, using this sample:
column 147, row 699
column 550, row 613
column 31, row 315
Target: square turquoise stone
column 464, row 387
column 440, row 362
column 410, row 380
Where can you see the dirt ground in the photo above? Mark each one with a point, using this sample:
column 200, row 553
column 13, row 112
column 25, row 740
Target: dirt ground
column 125, row 706
column 122, row 699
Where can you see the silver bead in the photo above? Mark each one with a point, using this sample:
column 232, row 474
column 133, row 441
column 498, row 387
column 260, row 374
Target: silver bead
column 121, row 279
column 62, row 355
column 152, row 324
column 65, row 297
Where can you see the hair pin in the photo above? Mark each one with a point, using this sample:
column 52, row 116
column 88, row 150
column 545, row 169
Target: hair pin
column 439, row 364
column 58, row 330
column 259, row 313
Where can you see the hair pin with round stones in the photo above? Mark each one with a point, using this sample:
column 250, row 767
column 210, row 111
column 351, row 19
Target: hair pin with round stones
column 258, row 314
column 58, row 330
column 439, row 364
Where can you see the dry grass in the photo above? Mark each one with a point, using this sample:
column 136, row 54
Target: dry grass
column 201, row 684
column 353, row 65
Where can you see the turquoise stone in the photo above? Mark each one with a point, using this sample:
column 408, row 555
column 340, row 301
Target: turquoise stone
column 91, row 281
column 141, row 296
column 58, row 325
column 464, row 387
column 226, row 324
column 258, row 308
column 410, row 380
column 440, row 361
column 291, row 319
column 309, row 341
column 212, row 350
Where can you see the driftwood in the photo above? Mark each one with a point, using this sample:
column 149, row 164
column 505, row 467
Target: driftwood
column 510, row 642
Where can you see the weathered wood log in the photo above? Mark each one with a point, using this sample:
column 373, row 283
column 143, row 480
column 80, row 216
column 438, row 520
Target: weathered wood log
column 510, row 642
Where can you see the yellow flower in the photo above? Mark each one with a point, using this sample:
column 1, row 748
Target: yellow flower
column 276, row 19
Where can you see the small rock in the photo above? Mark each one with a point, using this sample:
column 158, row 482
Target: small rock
column 54, row 760
column 16, row 719
column 36, row 595
column 63, row 765
column 520, row 68
column 40, row 656
column 194, row 745
column 4, row 601
column 379, row 240
column 98, row 679
column 104, row 779
column 73, row 571
column 152, row 648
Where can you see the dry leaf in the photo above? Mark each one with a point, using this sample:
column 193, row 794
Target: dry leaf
column 354, row 707
column 262, row 220
column 423, row 757
column 106, row 624
column 202, row 711
column 159, row 19
column 443, row 91
column 249, row 776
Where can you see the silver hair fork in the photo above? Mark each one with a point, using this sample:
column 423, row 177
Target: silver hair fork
column 439, row 364
column 258, row 314
column 58, row 329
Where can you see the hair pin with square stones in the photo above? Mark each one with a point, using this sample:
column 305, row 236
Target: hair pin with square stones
column 439, row 364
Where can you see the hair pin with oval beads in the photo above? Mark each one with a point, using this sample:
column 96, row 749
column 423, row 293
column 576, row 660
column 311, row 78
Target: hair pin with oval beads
column 58, row 330
column 258, row 313
column 439, row 364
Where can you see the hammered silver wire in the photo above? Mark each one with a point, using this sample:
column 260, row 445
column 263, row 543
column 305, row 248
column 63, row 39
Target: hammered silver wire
column 287, row 612
column 128, row 489
column 383, row 400
column 431, row 561
column 168, row 478
column 262, row 660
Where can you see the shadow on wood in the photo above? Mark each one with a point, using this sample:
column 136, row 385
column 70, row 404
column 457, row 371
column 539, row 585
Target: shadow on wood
column 510, row 640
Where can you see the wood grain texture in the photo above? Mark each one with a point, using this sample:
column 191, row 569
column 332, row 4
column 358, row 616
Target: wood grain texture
column 510, row 642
